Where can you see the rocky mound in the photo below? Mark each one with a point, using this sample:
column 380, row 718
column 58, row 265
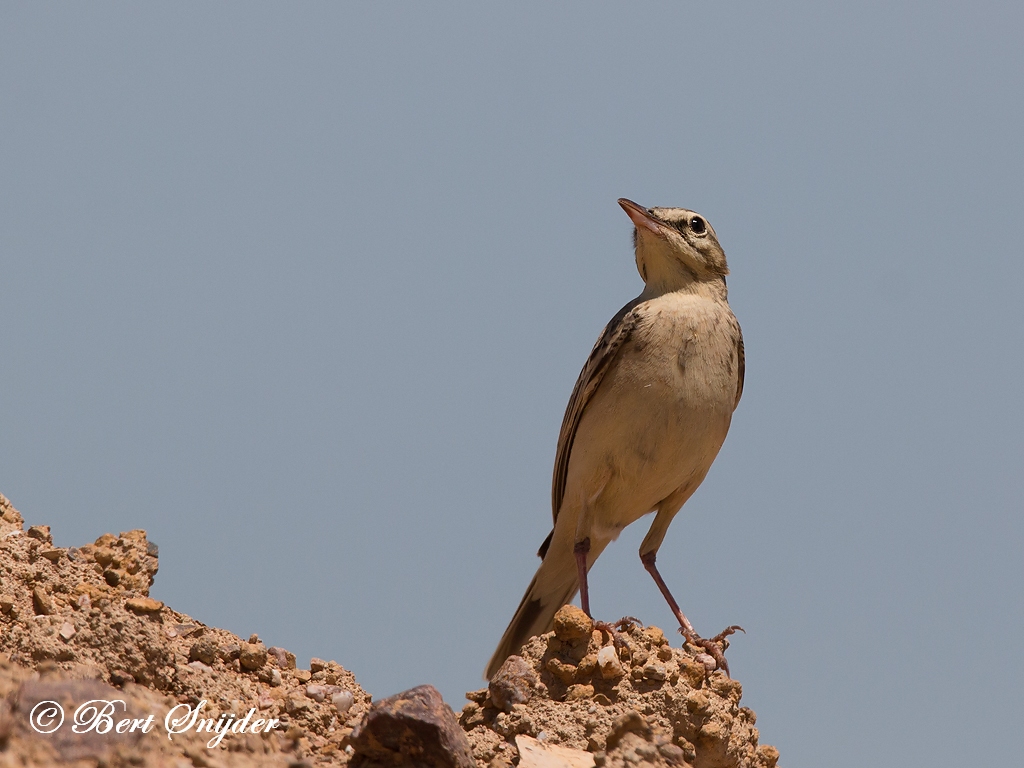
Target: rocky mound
column 627, row 697
column 77, row 625
column 83, row 616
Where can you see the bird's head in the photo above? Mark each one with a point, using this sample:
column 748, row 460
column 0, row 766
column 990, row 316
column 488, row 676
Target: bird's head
column 674, row 247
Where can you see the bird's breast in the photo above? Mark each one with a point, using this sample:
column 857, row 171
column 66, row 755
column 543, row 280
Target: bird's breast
column 662, row 412
column 684, row 357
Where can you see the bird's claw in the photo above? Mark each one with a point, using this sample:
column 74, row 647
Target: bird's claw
column 720, row 637
column 616, row 629
column 715, row 646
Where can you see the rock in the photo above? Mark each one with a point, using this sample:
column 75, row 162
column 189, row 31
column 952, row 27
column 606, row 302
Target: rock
column 656, row 636
column 479, row 696
column 577, row 692
column 205, row 650
column 253, row 656
column 317, row 665
column 103, row 555
column 343, row 701
column 42, row 603
column 513, row 683
column 693, row 672
column 608, row 661
column 631, row 722
column 67, row 631
column 53, row 555
column 295, row 705
column 316, row 692
column 767, row 756
column 414, row 727
column 536, row 754
column 6, row 603
column 230, row 652
column 284, row 659
column 40, row 532
column 143, row 605
column 560, row 669
column 571, row 623
column 656, row 672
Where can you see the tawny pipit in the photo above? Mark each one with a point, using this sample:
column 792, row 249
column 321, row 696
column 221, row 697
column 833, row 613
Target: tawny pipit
column 646, row 419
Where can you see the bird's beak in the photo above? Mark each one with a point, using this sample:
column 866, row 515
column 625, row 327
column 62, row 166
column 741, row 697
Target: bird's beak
column 641, row 217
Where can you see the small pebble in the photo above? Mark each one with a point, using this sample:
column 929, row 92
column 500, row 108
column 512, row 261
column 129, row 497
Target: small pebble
column 513, row 683
column 253, row 655
column 200, row 666
column 708, row 661
column 316, row 692
column 203, row 650
column 285, row 659
column 143, row 605
column 230, row 652
column 571, row 623
column 295, row 705
column 577, row 692
column 40, row 532
column 42, row 602
column 656, row 672
column 67, row 631
column 608, row 661
column 343, row 701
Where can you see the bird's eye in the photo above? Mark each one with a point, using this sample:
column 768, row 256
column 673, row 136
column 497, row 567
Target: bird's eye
column 698, row 226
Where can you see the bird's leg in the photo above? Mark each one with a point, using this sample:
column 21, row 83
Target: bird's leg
column 581, row 550
column 715, row 646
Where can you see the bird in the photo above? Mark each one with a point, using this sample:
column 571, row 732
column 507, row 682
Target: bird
column 646, row 419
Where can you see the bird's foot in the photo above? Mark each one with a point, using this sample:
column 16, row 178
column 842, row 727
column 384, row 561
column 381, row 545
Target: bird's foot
column 616, row 629
column 715, row 646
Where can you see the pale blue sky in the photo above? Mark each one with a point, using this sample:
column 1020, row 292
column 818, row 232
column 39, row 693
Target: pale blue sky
column 303, row 290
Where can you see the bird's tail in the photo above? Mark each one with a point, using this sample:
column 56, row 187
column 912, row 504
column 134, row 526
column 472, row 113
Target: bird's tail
column 555, row 584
